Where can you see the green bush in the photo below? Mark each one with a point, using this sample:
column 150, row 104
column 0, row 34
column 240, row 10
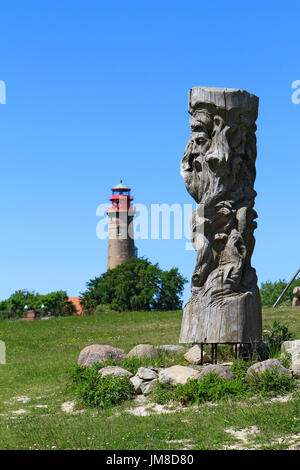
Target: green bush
column 210, row 388
column 102, row 309
column 164, row 393
column 239, row 369
column 134, row 363
column 100, row 392
column 215, row 388
column 6, row 314
column 275, row 335
column 286, row 359
column 269, row 383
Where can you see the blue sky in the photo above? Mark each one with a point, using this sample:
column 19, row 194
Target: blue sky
column 97, row 91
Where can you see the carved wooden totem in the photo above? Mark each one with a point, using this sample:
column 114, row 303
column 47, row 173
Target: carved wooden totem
column 218, row 168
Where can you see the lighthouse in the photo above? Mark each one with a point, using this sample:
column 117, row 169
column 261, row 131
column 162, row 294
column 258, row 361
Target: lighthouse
column 120, row 229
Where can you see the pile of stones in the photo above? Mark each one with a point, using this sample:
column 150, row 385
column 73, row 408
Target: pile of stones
column 146, row 377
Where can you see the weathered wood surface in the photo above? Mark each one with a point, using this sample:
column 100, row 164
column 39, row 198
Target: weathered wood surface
column 218, row 168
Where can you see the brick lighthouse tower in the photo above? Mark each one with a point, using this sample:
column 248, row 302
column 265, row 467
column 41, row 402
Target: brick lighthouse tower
column 120, row 230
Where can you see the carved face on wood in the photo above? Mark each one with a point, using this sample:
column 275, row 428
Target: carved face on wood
column 218, row 155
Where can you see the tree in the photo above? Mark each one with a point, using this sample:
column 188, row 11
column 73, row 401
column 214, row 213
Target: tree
column 15, row 304
column 270, row 291
column 170, row 290
column 135, row 284
column 55, row 303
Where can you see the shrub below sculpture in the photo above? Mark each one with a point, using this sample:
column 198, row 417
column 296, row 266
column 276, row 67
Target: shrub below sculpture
column 101, row 392
column 275, row 335
column 212, row 387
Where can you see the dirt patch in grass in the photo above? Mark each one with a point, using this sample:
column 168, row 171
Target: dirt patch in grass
column 21, row 399
column 143, row 407
column 246, row 443
column 19, row 412
column 150, row 410
column 69, row 407
column 242, row 435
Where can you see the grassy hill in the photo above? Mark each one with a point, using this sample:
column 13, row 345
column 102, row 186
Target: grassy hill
column 34, row 385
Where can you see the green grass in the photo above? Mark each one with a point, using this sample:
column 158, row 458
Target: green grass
column 287, row 315
column 41, row 355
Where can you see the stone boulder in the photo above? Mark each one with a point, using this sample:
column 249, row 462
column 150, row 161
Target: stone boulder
column 296, row 292
column 116, row 371
column 222, row 371
column 193, row 355
column 296, row 302
column 136, row 382
column 177, row 375
column 296, row 370
column 143, row 378
column 147, row 387
column 271, row 364
column 143, row 350
column 293, row 348
column 171, row 349
column 296, row 298
column 145, row 373
column 99, row 353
